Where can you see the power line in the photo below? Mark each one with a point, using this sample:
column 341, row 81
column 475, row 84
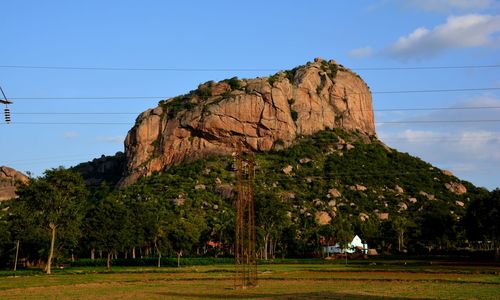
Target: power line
column 78, row 113
column 329, row 141
column 437, row 121
column 71, row 123
column 184, row 69
column 352, row 110
column 425, row 68
column 435, row 91
column 168, row 97
column 48, row 158
column 93, row 98
column 129, row 123
column 435, row 108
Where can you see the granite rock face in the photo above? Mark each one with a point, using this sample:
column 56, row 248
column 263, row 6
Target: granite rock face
column 9, row 181
column 258, row 114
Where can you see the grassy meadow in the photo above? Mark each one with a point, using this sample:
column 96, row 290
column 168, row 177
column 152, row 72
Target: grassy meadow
column 356, row 280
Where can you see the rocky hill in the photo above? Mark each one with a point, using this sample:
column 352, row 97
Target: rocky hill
column 9, row 180
column 261, row 114
column 107, row 169
column 347, row 179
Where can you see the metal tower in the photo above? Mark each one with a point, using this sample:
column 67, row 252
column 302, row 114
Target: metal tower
column 245, row 244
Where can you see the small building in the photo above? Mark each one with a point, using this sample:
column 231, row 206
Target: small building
column 354, row 246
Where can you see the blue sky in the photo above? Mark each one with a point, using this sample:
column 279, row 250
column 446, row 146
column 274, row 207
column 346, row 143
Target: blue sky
column 247, row 35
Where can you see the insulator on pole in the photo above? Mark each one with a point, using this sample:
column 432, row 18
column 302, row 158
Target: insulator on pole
column 6, row 112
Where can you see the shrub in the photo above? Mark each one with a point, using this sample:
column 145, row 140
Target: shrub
column 295, row 115
column 290, row 74
column 152, row 261
column 272, row 79
column 204, row 92
column 234, row 83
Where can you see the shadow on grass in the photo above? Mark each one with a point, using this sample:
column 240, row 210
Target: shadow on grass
column 310, row 295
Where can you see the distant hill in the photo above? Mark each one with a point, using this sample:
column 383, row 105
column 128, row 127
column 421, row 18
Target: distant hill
column 9, row 180
column 107, row 169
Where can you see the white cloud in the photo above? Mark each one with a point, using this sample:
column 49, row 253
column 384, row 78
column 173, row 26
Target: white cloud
column 360, row 52
column 118, row 139
column 470, row 150
column 473, row 30
column 450, row 5
column 71, row 135
column 414, row 136
column 481, row 143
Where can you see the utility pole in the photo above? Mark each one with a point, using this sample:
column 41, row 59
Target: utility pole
column 6, row 110
column 17, row 254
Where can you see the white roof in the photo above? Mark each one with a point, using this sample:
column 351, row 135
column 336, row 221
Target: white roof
column 356, row 242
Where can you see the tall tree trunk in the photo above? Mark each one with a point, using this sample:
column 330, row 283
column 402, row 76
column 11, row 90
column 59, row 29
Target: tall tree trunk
column 179, row 254
column 275, row 242
column 401, row 241
column 72, row 256
column 266, row 242
column 52, row 243
column 133, row 252
column 17, row 254
column 108, row 261
column 158, row 252
column 92, row 254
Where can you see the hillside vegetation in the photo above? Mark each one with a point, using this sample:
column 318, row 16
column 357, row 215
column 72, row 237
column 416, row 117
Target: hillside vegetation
column 324, row 188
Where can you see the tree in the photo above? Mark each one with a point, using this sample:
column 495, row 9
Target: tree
column 183, row 234
column 88, row 242
column 154, row 222
column 56, row 201
column 342, row 229
column 5, row 236
column 437, row 224
column 400, row 225
column 221, row 227
column 271, row 216
column 482, row 219
column 111, row 225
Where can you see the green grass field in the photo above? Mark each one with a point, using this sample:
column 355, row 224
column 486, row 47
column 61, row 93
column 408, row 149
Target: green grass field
column 276, row 281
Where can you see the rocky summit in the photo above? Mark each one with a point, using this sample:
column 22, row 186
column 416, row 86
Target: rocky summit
column 9, row 181
column 259, row 114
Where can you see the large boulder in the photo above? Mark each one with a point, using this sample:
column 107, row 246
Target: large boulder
column 322, row 217
column 259, row 114
column 10, row 180
column 456, row 188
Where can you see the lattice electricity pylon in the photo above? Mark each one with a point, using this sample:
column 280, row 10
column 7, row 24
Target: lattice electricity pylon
column 245, row 245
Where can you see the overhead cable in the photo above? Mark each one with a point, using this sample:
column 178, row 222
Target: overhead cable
column 195, row 69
